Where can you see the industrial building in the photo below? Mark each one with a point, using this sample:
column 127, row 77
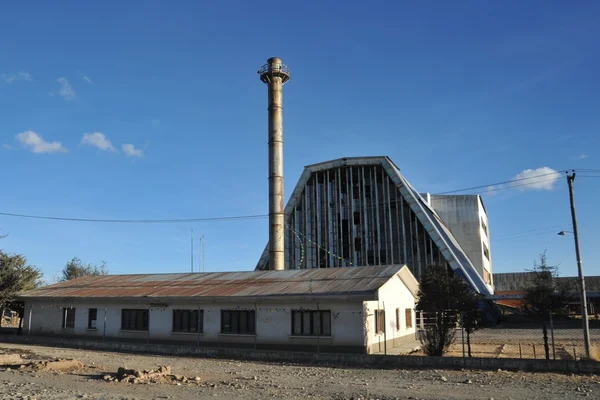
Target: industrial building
column 359, row 310
column 511, row 288
column 361, row 211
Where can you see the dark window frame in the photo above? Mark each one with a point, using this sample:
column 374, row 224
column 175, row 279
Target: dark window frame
column 69, row 315
column 238, row 322
column 135, row 319
column 486, row 252
column 323, row 328
column 398, row 327
column 92, row 316
column 185, row 317
column 379, row 321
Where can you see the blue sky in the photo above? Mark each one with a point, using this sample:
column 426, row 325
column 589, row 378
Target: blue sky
column 458, row 94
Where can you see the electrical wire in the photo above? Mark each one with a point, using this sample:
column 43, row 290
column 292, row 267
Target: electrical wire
column 505, row 182
column 140, row 221
column 487, row 189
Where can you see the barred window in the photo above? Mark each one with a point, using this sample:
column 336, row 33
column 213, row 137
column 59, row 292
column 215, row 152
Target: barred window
column 188, row 320
column 238, row 321
column 68, row 318
column 311, row 322
column 134, row 319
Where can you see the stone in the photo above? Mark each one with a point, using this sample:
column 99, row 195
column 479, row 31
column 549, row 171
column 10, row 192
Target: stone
column 443, row 379
column 197, row 379
column 467, row 381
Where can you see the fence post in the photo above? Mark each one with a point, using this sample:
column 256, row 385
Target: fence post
column 520, row 351
column 534, row 356
column 552, row 334
column 462, row 330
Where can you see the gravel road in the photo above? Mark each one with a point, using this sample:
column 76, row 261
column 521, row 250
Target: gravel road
column 230, row 379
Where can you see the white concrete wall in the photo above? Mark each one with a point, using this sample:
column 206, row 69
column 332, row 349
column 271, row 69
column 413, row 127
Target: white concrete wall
column 273, row 325
column 393, row 295
column 462, row 214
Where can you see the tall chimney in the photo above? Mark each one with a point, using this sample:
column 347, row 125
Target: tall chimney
column 274, row 73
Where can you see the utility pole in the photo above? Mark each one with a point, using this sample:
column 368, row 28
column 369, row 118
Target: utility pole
column 584, row 312
column 192, row 250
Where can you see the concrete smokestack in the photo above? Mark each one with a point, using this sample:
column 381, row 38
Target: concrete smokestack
column 274, row 73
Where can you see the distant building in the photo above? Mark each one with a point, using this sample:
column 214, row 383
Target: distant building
column 361, row 211
column 511, row 287
column 360, row 310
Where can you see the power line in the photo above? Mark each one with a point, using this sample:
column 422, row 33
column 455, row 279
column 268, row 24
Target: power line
column 493, row 187
column 140, row 221
column 505, row 182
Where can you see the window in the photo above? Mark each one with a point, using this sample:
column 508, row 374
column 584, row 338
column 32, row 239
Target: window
column 484, row 226
column 238, row 321
column 188, row 320
column 408, row 316
column 92, row 316
column 487, row 277
column 486, row 252
column 68, row 319
column 379, row 321
column 311, row 323
column 134, row 320
column 397, row 319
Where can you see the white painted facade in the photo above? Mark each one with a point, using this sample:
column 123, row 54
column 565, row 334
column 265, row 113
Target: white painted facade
column 395, row 299
column 467, row 219
column 351, row 320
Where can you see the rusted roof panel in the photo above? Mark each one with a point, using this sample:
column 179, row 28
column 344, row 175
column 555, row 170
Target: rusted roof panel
column 327, row 281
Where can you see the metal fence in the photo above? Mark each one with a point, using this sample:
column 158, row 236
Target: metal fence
column 519, row 336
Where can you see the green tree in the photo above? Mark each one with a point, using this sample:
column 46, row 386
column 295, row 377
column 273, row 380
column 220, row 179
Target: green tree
column 16, row 276
column 442, row 298
column 76, row 268
column 545, row 295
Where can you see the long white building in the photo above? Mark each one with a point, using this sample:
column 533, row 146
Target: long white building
column 356, row 310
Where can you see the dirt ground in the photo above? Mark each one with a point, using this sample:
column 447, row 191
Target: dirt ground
column 231, row 379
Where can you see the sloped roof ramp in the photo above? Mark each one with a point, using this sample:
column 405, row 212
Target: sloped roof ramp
column 329, row 283
column 440, row 234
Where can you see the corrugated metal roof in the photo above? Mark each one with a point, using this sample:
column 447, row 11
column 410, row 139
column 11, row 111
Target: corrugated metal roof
column 306, row 282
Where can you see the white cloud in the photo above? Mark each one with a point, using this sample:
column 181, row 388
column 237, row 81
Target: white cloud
column 583, row 156
column 36, row 143
column 131, row 151
column 491, row 190
column 87, row 79
column 98, row 140
column 542, row 178
column 66, row 91
column 7, row 146
column 19, row 76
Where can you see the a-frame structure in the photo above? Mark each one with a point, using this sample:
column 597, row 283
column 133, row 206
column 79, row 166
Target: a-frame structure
column 360, row 211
